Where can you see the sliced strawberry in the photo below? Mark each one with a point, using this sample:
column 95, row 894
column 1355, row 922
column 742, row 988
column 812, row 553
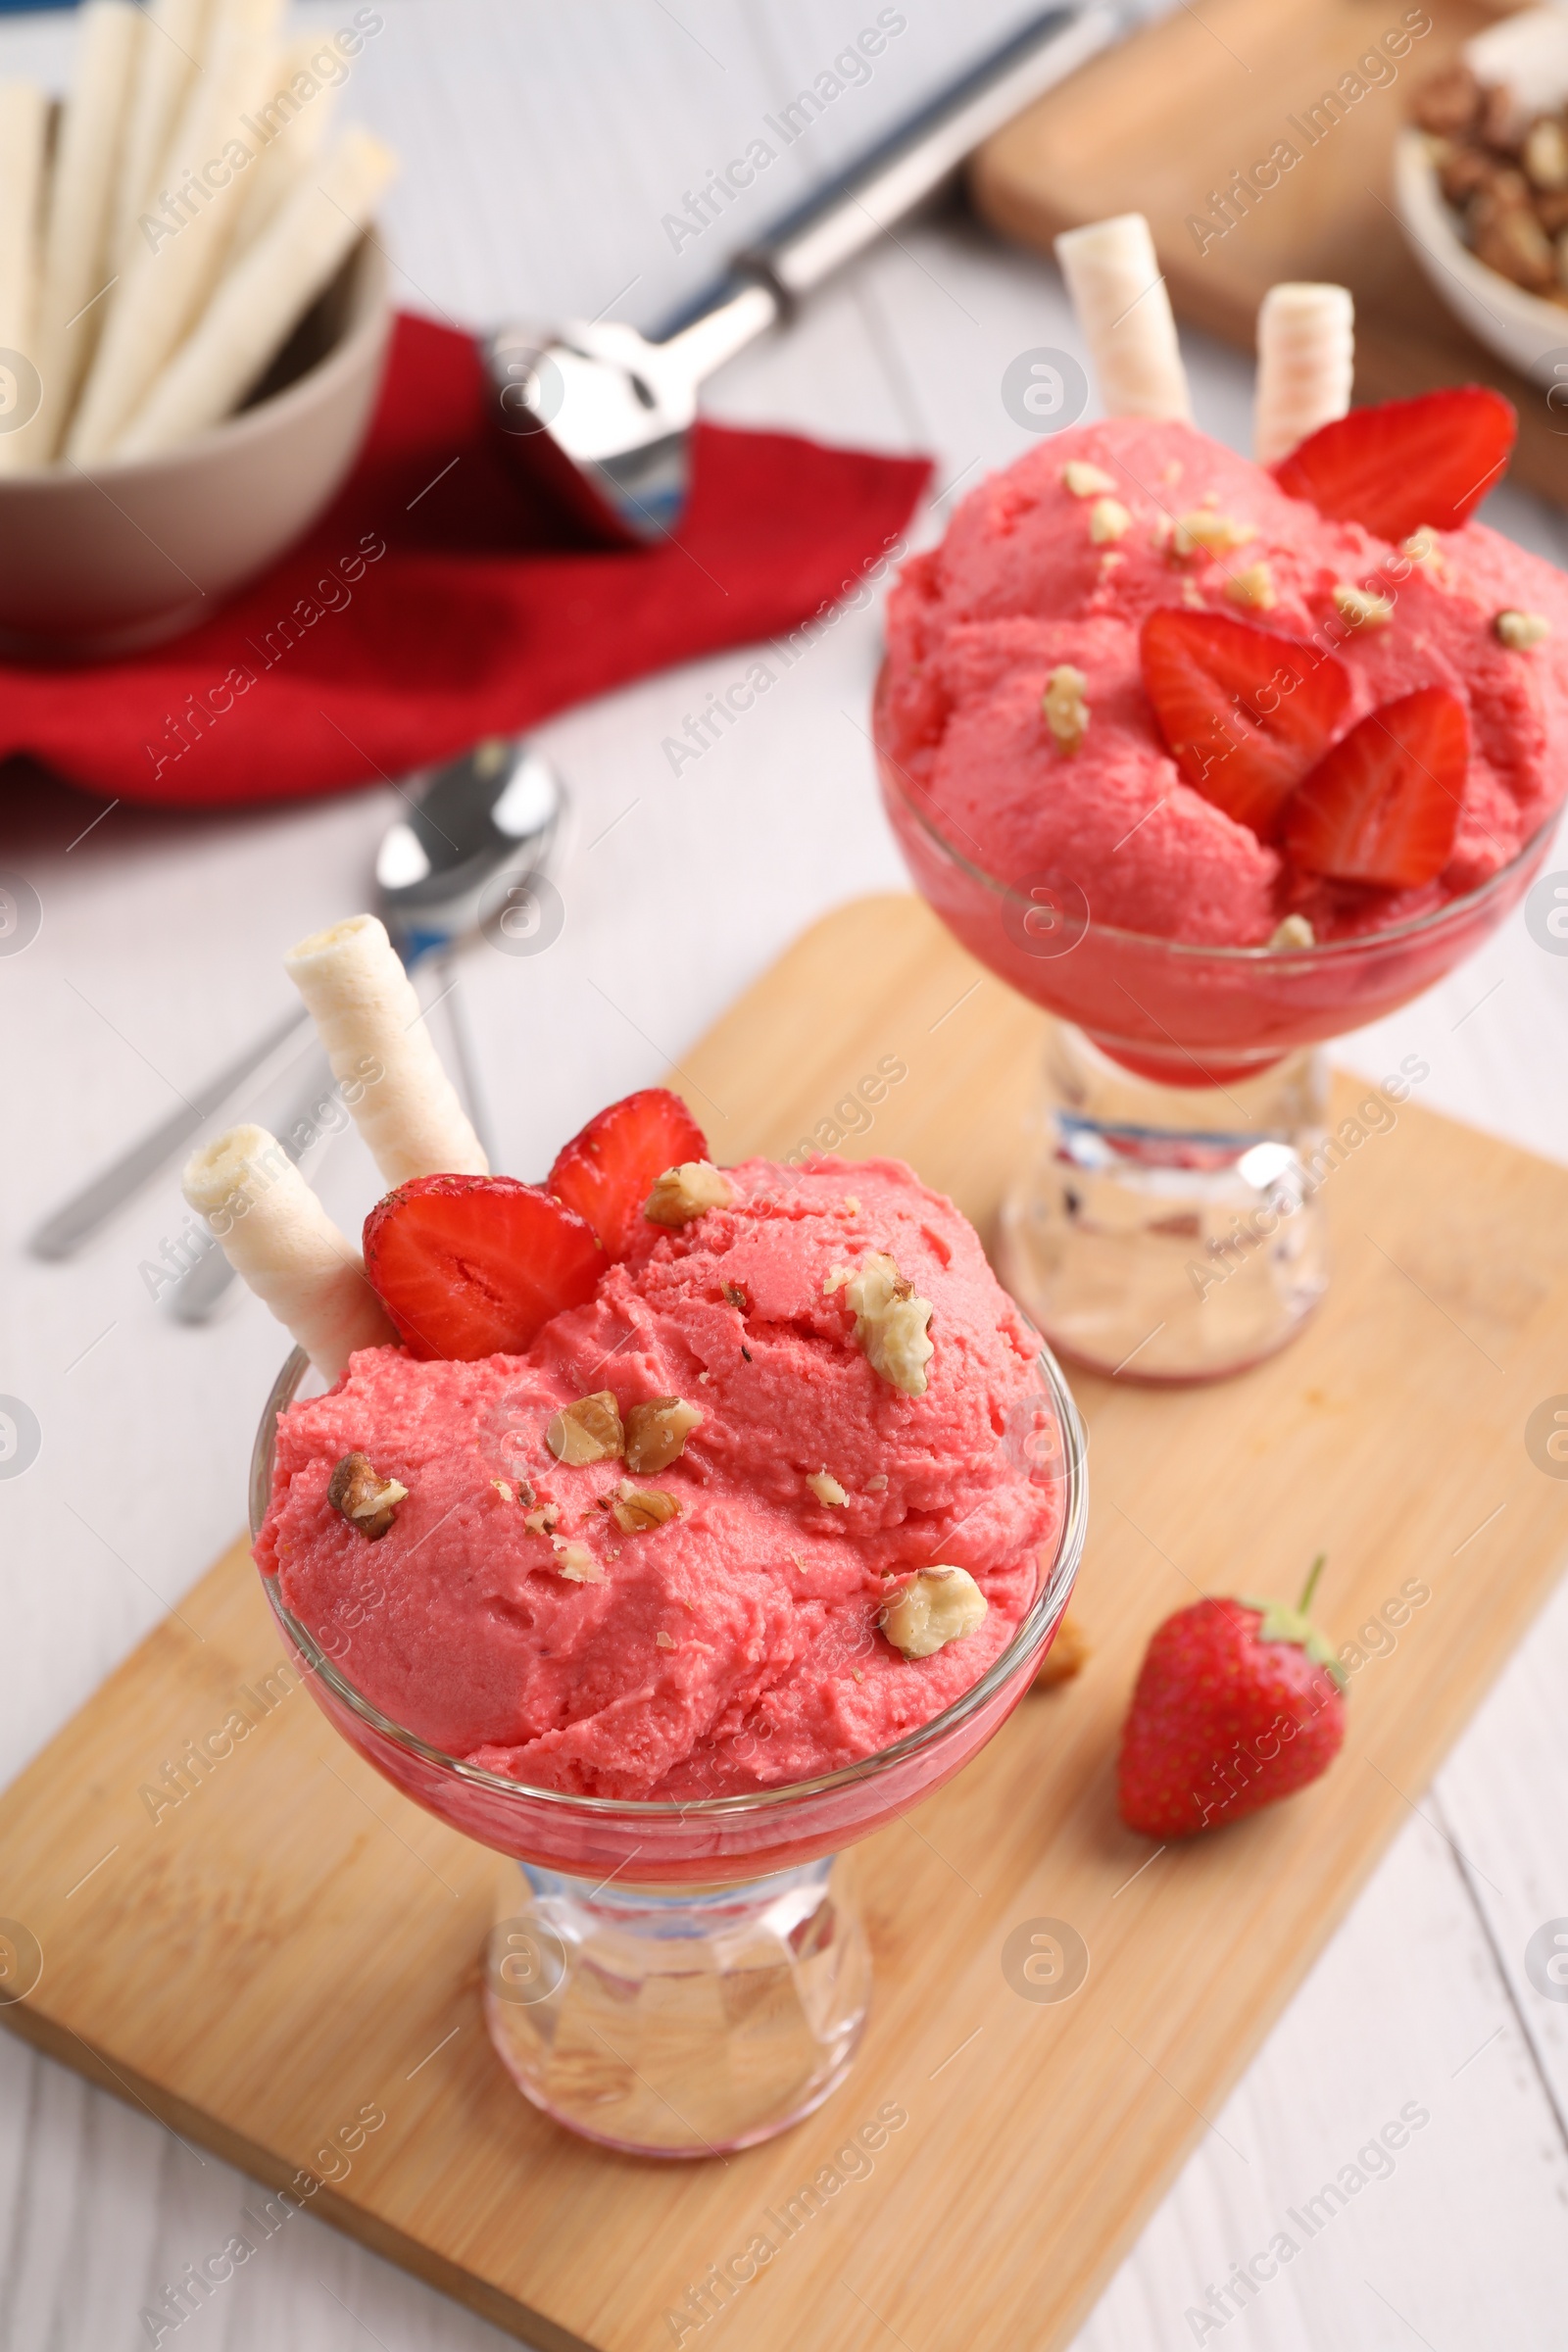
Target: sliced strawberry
column 475, row 1265
column 1384, row 805
column 1245, row 712
column 608, row 1171
column 1405, row 461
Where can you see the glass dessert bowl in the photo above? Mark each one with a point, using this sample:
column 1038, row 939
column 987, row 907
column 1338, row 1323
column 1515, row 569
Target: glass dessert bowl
column 1169, row 1225
column 686, row 1978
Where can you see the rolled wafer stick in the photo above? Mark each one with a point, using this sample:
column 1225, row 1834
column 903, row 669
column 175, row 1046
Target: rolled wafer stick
column 362, row 1003
column 1305, row 363
column 23, row 143
column 166, row 65
column 262, row 297
column 163, row 288
column 277, row 1235
column 282, row 167
column 1122, row 305
column 79, row 234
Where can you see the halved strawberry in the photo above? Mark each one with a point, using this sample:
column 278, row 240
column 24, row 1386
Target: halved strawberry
column 1405, row 461
column 608, row 1171
column 1245, row 712
column 475, row 1265
column 1384, row 805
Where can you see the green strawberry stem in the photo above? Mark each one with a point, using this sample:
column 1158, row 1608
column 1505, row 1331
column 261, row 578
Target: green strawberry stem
column 1304, row 1604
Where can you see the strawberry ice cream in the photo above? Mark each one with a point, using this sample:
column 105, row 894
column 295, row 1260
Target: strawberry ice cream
column 1051, row 570
column 513, row 1560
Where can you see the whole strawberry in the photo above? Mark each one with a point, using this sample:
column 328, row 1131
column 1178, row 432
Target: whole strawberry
column 1237, row 1703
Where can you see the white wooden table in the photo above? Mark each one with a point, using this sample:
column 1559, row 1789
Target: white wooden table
column 542, row 147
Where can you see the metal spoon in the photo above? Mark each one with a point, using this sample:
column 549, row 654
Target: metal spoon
column 476, row 826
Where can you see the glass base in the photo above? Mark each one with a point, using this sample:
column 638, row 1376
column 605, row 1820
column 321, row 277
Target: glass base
column 1169, row 1234
column 685, row 2024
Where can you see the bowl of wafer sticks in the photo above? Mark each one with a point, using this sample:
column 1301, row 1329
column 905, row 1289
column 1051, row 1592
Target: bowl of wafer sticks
column 194, row 315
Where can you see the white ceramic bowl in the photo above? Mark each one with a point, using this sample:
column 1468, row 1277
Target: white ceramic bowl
column 99, row 562
column 1529, row 52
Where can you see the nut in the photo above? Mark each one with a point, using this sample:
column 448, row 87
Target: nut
column 544, row 1521
column 1066, row 713
column 363, row 1497
column 1422, row 548
column 938, row 1605
column 1446, row 103
column 825, row 1487
column 1295, row 932
column 1254, row 586
column 1546, row 154
column 657, row 1432
column 1108, row 519
column 577, row 1564
column 503, row 1489
column 636, row 1509
column 588, row 1431
column 1070, row 1653
column 890, row 1324
column 663, row 1641
column 684, row 1192
column 1361, row 607
column 1521, row 630
column 735, row 1296
column 1214, row 534
column 1085, row 480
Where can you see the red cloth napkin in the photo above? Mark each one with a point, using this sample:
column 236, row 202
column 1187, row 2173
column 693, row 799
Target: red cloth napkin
column 478, row 615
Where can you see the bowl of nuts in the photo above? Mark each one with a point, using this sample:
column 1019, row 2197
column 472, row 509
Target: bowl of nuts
column 1481, row 185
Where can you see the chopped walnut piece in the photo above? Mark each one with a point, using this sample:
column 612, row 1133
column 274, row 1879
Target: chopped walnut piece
column 663, row 1641
column 503, row 1489
column 1068, row 1656
column 825, row 1487
column 544, row 1521
column 1295, row 932
column 1066, row 713
column 1108, row 519
column 684, row 1192
column 938, row 1605
column 1252, row 586
column 877, row 1485
column 852, row 1204
column 358, row 1493
column 735, row 1296
column 1446, row 102
column 644, row 1507
column 890, row 1324
column 1362, row 607
column 656, row 1433
column 1085, row 480
column 1505, row 234
column 577, row 1564
column 1521, row 630
column 588, row 1431
column 1214, row 534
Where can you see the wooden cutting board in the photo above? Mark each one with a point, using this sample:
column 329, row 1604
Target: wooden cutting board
column 1158, row 124
column 294, row 1949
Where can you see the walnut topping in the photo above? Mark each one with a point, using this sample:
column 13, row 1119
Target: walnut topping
column 890, row 1324
column 544, row 1521
column 1067, row 1655
column 684, row 1192
column 1254, row 586
column 503, row 1489
column 938, row 1605
column 577, row 1564
column 1085, row 480
column 636, row 1509
column 735, row 1296
column 657, row 1432
column 1362, row 607
column 877, row 1485
column 588, row 1431
column 1108, row 519
column 852, row 1204
column 1521, row 630
column 364, row 1497
column 1214, row 534
column 1422, row 548
column 1295, row 932
column 825, row 1487
column 663, row 1641
column 1066, row 713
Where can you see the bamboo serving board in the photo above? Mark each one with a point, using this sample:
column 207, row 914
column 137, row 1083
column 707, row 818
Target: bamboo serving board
column 1160, row 123
column 294, row 1949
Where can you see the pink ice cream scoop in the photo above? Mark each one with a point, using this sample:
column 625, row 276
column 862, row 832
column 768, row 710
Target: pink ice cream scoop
column 530, row 1612
column 1057, row 562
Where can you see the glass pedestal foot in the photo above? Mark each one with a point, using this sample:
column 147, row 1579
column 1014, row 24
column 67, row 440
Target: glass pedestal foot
column 684, row 2022
column 1169, row 1234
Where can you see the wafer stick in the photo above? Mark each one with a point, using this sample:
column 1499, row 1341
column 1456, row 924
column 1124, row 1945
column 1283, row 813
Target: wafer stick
column 23, row 129
column 79, row 234
column 262, row 297
column 275, row 1233
column 166, row 65
column 1124, row 310
column 282, row 166
column 1305, row 363
column 162, row 291
column 364, row 1005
